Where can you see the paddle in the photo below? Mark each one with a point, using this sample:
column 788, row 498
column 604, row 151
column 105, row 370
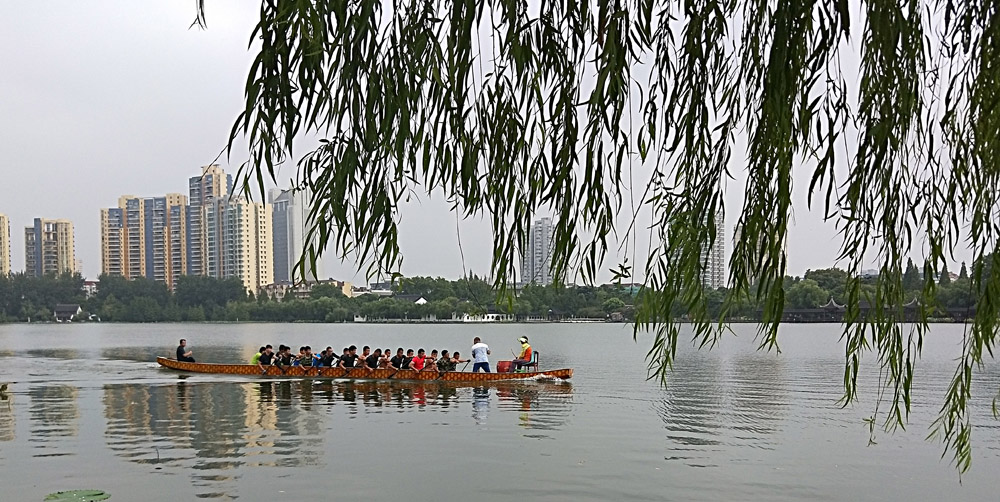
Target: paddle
column 394, row 373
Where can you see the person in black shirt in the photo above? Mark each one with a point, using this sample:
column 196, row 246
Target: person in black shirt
column 372, row 361
column 329, row 359
column 284, row 356
column 350, row 357
column 266, row 359
column 399, row 361
column 183, row 354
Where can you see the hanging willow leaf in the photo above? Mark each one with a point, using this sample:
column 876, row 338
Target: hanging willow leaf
column 513, row 108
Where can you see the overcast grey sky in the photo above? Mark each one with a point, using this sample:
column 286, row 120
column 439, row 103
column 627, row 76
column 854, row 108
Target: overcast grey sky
column 104, row 98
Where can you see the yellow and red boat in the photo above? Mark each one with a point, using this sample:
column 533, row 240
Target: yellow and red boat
column 361, row 373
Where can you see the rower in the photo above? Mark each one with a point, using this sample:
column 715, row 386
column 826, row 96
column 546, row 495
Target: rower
column 372, row 361
column 307, row 358
column 399, row 361
column 329, row 358
column 266, row 359
column 256, row 357
column 417, row 363
column 350, row 357
column 446, row 363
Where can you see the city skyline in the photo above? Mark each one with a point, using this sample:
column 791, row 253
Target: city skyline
column 207, row 232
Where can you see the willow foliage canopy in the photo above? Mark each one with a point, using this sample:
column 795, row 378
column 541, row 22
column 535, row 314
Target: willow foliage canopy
column 511, row 108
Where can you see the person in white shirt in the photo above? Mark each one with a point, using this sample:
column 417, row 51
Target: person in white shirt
column 480, row 353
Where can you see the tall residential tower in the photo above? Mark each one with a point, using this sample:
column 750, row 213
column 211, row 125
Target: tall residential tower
column 238, row 241
column 713, row 272
column 49, row 248
column 290, row 218
column 213, row 184
column 536, row 262
column 4, row 245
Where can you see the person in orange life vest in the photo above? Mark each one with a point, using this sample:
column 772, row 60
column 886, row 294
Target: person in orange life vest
column 524, row 357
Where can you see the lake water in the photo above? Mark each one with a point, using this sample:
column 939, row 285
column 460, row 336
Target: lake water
column 89, row 409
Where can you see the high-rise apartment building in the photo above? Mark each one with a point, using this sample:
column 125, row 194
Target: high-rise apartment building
column 237, row 237
column 213, row 184
column 290, row 217
column 4, row 245
column 49, row 248
column 113, row 256
column 713, row 272
column 536, row 262
column 145, row 237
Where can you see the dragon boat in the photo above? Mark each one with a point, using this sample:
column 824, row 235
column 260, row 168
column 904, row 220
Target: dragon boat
column 361, row 373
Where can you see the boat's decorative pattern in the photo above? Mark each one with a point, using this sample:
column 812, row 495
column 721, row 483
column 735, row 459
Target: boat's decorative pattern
column 358, row 373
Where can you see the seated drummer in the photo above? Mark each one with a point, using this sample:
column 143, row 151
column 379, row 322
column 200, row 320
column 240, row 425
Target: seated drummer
column 524, row 357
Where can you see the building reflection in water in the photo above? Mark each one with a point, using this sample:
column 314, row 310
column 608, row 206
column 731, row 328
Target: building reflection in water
column 207, row 429
column 7, row 421
column 713, row 403
column 692, row 406
column 54, row 416
column 759, row 397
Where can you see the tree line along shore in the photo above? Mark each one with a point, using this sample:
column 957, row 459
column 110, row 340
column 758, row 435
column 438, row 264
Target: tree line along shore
column 203, row 299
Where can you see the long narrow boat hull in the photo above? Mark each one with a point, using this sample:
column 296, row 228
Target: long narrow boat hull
column 360, row 373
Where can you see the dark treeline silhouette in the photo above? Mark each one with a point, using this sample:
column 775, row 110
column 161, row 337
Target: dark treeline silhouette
column 199, row 298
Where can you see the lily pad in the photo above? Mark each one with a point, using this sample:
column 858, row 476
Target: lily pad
column 78, row 496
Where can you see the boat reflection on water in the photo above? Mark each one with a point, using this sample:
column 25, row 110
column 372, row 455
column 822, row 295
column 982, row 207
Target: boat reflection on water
column 214, row 430
column 307, row 393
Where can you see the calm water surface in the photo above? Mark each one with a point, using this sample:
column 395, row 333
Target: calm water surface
column 89, row 409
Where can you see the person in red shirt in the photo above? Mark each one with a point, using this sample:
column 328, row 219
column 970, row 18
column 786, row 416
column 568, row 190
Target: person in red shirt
column 417, row 363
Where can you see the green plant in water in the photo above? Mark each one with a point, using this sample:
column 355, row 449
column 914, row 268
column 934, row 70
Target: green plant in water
column 78, row 496
column 511, row 108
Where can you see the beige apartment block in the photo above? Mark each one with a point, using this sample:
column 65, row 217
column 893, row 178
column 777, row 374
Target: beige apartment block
column 49, row 248
column 238, row 242
column 4, row 245
column 146, row 237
